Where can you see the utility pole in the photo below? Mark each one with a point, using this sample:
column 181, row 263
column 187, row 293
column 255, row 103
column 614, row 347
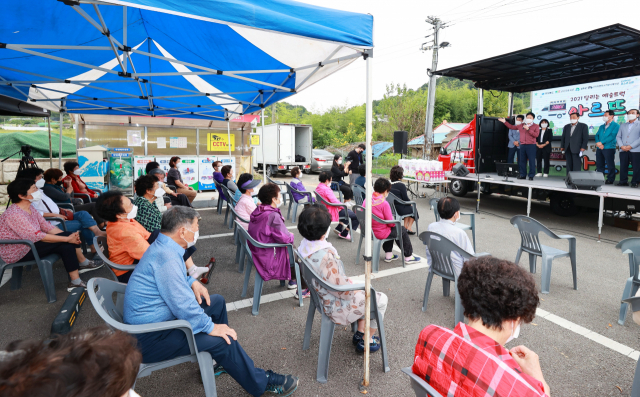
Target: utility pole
column 431, row 96
column 273, row 113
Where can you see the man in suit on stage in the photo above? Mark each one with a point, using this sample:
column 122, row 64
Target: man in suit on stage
column 575, row 137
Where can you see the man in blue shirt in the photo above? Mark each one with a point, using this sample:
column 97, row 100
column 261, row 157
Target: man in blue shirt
column 606, row 146
column 514, row 141
column 160, row 290
column 629, row 143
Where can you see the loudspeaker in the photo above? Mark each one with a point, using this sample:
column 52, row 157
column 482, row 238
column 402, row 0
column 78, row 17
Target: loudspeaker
column 584, row 180
column 400, row 141
column 460, row 170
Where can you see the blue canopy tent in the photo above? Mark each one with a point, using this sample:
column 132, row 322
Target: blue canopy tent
column 206, row 59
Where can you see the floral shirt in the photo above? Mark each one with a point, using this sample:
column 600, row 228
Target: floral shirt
column 148, row 214
column 18, row 224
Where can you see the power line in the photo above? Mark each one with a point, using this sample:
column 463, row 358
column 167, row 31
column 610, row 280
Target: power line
column 523, row 11
column 455, row 8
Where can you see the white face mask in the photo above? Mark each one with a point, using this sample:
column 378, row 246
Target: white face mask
column 195, row 238
column 574, row 121
column 77, row 172
column 159, row 192
column 631, row 117
column 40, row 183
column 605, row 119
column 37, row 196
column 280, row 202
column 133, row 213
column 529, row 121
column 340, row 161
column 515, row 332
column 518, row 122
column 543, row 125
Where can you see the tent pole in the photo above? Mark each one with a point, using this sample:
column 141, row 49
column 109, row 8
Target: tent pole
column 264, row 165
column 367, row 222
column 228, row 135
column 50, row 150
column 60, row 137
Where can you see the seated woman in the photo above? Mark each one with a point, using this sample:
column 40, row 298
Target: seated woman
column 22, row 221
column 72, row 168
column 174, row 178
column 297, row 184
column 324, row 190
column 174, row 198
column 382, row 210
column 399, row 190
column 497, row 296
column 339, row 171
column 246, row 204
column 148, row 213
column 217, row 175
column 345, row 307
column 267, row 226
column 227, row 173
column 128, row 240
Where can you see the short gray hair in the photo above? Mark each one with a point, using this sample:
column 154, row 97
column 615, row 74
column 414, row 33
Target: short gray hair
column 176, row 217
column 157, row 171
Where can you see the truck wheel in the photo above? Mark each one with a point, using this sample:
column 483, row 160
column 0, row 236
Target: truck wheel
column 458, row 188
column 283, row 172
column 307, row 171
column 563, row 205
column 485, row 189
column 271, row 170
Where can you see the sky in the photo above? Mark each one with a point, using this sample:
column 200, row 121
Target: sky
column 479, row 29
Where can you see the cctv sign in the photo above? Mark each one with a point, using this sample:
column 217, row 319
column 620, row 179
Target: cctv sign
column 217, row 142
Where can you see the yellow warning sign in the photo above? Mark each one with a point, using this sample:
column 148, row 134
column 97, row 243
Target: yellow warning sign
column 255, row 140
column 218, row 142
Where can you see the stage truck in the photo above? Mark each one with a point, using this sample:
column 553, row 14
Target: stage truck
column 484, row 142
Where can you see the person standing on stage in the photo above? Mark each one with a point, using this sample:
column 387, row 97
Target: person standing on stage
column 543, row 143
column 514, row 141
column 529, row 131
column 606, row 146
column 629, row 143
column 575, row 137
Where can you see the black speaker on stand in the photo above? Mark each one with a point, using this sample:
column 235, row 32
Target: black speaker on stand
column 400, row 142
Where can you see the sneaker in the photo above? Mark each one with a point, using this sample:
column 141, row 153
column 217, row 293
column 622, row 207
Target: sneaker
column 293, row 284
column 218, row 370
column 545, row 175
column 357, row 337
column 373, row 346
column 71, row 286
column 414, row 259
column 622, row 184
column 91, row 266
column 634, row 185
column 347, row 237
column 283, row 385
column 393, row 258
column 305, row 294
column 538, row 174
column 608, row 182
column 530, row 178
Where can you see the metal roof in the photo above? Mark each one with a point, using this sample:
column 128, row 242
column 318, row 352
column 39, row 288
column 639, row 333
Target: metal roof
column 437, row 139
column 601, row 54
column 380, row 148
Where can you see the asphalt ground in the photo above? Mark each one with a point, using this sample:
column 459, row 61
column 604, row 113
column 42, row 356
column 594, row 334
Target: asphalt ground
column 573, row 365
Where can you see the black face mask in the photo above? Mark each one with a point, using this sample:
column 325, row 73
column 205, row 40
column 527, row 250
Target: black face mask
column 59, row 183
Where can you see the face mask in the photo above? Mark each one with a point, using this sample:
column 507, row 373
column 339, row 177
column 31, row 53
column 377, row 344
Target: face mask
column 159, row 192
column 40, row 183
column 77, row 172
column 529, row 121
column 133, row 213
column 574, row 121
column 195, row 238
column 339, row 161
column 631, row 117
column 37, row 196
column 280, row 202
column 515, row 332
column 544, row 125
column 605, row 119
column 518, row 122
column 59, row 183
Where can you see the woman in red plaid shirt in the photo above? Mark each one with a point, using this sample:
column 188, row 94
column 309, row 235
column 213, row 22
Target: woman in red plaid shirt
column 497, row 296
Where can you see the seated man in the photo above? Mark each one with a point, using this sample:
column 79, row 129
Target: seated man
column 160, row 290
column 449, row 210
column 497, row 296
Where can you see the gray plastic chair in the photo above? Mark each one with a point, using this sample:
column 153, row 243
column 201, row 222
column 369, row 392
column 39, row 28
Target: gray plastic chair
column 630, row 246
column 100, row 291
column 282, row 185
column 258, row 282
column 530, row 243
column 220, row 198
column 45, row 267
column 335, row 186
column 359, row 193
column 634, row 302
column 419, row 385
column 377, row 244
column 343, row 219
column 102, row 250
column 327, row 328
column 440, row 249
column 239, row 240
column 294, row 203
column 230, row 202
column 392, row 199
column 434, row 205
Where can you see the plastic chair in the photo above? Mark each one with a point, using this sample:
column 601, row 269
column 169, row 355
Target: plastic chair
column 259, row 281
column 230, row 203
column 102, row 249
column 335, row 186
column 377, row 244
column 45, row 267
column 327, row 328
column 294, row 203
column 440, row 249
column 172, row 187
column 530, row 243
column 81, row 195
column 630, row 246
column 343, row 219
column 419, row 385
column 239, row 239
column 221, row 197
column 100, row 291
column 392, row 199
column 359, row 193
column 434, row 205
column 282, row 185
